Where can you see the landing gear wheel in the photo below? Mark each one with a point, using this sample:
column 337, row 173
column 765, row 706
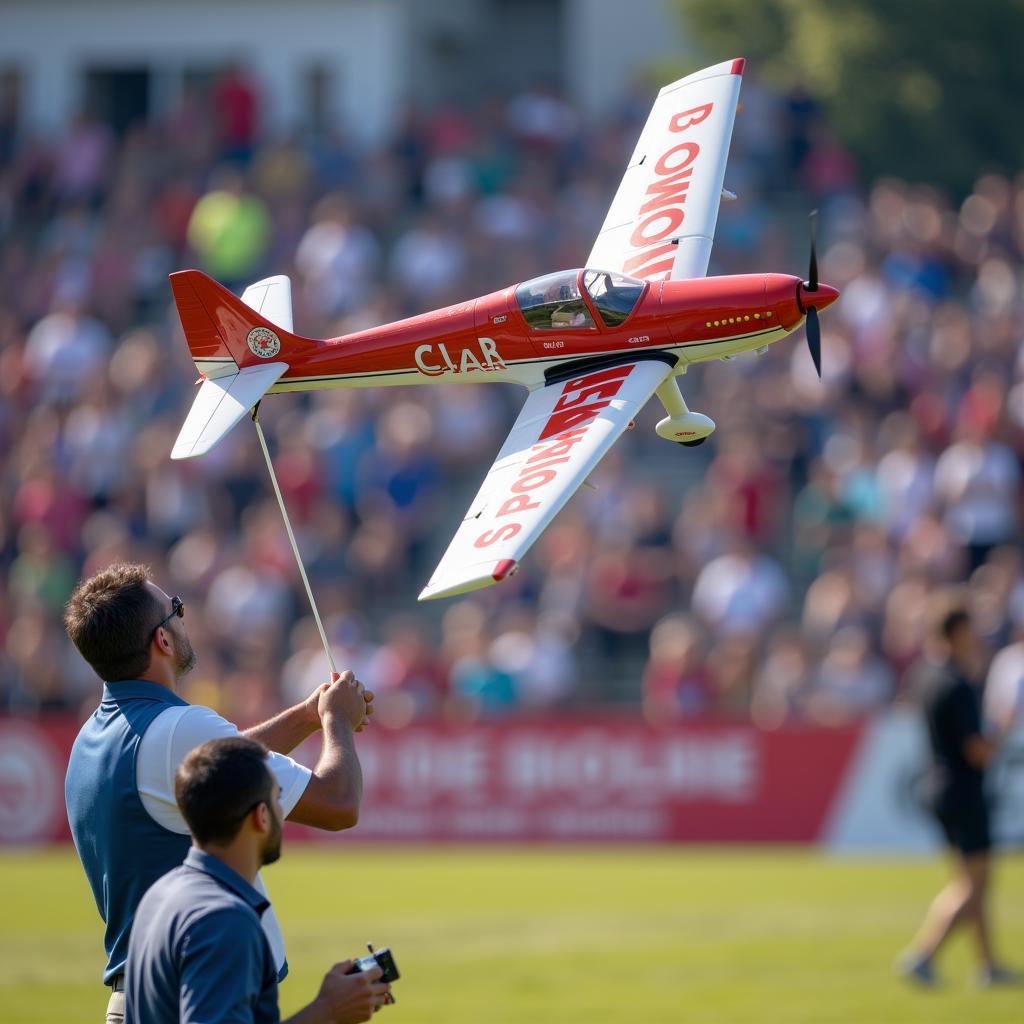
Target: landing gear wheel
column 693, row 444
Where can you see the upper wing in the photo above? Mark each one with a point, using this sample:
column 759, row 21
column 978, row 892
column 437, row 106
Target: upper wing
column 560, row 435
column 662, row 221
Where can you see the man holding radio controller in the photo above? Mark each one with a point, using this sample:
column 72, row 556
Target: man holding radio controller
column 197, row 951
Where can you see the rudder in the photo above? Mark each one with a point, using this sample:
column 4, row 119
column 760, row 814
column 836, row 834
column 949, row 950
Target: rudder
column 223, row 333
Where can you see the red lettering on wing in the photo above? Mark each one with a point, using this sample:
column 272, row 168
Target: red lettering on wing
column 582, row 398
column 662, row 214
column 563, row 446
column 532, row 478
column 517, row 503
column 612, row 373
column 669, row 190
column 693, row 116
column 587, row 396
column 634, row 264
column 574, row 409
column 657, row 227
column 489, row 537
column 678, row 158
column 571, row 418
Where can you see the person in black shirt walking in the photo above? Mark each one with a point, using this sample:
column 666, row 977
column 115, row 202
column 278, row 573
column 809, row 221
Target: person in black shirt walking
column 947, row 686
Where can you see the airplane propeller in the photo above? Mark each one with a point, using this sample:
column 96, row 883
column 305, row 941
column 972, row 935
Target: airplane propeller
column 811, row 327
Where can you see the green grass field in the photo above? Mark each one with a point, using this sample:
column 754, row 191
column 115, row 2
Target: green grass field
column 565, row 935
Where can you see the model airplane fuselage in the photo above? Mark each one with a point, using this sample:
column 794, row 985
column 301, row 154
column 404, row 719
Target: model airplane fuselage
column 590, row 345
column 525, row 333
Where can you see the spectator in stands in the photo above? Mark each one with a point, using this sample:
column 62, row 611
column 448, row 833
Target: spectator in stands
column 851, row 682
column 428, row 262
column 782, row 682
column 230, row 229
column 1004, row 687
column 978, row 479
column 65, row 351
column 82, row 160
column 236, row 106
column 480, row 685
column 197, row 951
column 677, row 682
column 742, row 591
column 337, row 259
column 905, row 474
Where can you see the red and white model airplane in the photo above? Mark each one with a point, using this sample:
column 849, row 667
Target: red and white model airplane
column 591, row 346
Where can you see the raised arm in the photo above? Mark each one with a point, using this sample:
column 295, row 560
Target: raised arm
column 332, row 796
column 285, row 731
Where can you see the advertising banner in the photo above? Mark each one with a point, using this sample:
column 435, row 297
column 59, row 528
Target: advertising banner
column 600, row 779
column 608, row 779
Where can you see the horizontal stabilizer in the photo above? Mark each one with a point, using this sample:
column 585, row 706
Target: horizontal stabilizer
column 220, row 404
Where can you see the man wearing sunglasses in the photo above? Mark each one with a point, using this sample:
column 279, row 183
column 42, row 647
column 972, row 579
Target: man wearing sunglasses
column 119, row 789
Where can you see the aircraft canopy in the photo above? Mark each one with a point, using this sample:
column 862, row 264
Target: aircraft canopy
column 554, row 302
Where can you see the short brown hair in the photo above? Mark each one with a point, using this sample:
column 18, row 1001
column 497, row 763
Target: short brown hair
column 110, row 619
column 219, row 783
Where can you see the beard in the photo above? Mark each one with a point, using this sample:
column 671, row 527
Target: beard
column 272, row 849
column 184, row 655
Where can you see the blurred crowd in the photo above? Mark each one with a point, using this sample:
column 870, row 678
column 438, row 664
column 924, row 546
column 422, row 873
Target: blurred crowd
column 779, row 571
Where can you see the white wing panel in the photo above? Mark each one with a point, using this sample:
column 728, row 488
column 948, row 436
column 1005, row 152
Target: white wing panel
column 662, row 220
column 559, row 436
column 220, row 404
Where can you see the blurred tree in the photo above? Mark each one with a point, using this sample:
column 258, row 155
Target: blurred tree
column 925, row 89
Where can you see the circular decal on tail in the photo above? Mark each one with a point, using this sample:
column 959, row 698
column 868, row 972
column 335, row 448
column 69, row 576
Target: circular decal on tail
column 263, row 342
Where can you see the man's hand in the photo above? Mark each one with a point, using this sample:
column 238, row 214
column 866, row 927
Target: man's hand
column 351, row 998
column 344, row 695
column 311, row 705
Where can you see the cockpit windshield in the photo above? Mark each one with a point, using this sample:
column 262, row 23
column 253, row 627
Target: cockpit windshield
column 554, row 303
column 614, row 295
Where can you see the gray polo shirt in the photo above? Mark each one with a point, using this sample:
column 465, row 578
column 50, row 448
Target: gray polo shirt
column 197, row 952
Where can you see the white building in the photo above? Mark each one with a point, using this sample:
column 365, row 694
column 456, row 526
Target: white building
column 361, row 61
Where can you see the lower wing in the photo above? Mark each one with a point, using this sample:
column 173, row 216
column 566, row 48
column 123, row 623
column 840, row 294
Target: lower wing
column 559, row 436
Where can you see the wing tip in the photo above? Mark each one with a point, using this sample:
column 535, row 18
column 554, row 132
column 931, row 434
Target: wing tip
column 505, row 568
column 501, row 571
column 738, row 65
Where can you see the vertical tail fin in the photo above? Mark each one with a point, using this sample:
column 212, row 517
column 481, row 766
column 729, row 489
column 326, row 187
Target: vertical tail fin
column 239, row 352
column 221, row 328
column 272, row 299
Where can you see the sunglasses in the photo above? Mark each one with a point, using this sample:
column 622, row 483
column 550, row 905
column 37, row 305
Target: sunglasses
column 177, row 608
